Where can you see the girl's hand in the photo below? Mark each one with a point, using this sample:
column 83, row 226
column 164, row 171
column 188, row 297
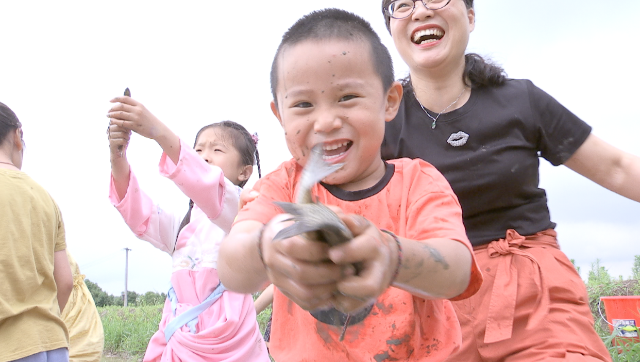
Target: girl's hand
column 118, row 140
column 300, row 268
column 375, row 255
column 132, row 115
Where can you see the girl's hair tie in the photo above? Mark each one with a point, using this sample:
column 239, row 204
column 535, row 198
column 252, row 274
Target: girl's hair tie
column 254, row 137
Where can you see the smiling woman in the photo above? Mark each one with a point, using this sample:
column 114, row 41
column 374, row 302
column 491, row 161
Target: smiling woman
column 486, row 133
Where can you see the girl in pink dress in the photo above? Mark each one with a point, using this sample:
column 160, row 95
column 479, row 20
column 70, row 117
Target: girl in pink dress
column 201, row 320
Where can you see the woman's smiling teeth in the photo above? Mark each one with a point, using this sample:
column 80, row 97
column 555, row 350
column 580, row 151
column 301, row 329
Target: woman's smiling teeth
column 335, row 150
column 427, row 35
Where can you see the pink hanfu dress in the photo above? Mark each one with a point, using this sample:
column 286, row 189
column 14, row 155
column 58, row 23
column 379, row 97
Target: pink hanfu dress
column 227, row 330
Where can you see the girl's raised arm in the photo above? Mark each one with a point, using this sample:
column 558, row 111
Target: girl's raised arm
column 133, row 115
column 118, row 142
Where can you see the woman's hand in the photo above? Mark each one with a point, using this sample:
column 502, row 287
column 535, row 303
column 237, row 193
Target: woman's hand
column 298, row 267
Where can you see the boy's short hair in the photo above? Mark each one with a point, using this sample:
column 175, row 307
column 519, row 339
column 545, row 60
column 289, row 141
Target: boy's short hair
column 336, row 24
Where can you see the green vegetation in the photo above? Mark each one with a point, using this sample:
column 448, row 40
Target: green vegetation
column 102, row 299
column 128, row 330
column 599, row 284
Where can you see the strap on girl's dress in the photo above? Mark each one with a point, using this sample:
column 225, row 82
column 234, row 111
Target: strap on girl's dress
column 190, row 316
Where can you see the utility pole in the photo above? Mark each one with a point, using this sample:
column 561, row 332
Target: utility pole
column 126, row 275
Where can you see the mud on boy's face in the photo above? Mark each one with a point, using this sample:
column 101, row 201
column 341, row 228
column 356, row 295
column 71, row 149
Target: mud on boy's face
column 329, row 92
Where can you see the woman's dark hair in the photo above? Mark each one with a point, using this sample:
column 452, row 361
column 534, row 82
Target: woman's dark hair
column 245, row 143
column 478, row 72
column 8, row 122
column 336, row 24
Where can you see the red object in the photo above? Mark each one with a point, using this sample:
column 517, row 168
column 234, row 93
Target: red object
column 623, row 311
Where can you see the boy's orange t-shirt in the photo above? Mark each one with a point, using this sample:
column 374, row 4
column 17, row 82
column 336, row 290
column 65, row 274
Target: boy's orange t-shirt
column 412, row 200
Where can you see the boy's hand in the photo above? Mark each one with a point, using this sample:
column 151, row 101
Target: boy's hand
column 130, row 114
column 118, row 140
column 376, row 256
column 300, row 268
column 246, row 196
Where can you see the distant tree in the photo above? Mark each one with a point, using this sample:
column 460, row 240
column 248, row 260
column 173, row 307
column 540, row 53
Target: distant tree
column 573, row 261
column 132, row 299
column 100, row 297
column 598, row 275
column 152, row 298
column 635, row 271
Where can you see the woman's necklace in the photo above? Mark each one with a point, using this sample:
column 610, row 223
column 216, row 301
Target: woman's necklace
column 435, row 119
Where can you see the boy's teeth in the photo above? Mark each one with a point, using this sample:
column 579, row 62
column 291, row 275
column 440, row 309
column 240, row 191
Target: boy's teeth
column 332, row 157
column 334, row 147
column 431, row 35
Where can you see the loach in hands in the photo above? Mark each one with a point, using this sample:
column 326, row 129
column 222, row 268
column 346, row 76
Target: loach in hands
column 127, row 93
column 317, row 222
column 313, row 219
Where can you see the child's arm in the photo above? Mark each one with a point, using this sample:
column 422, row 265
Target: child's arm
column 434, row 268
column 132, row 115
column 264, row 300
column 299, row 268
column 205, row 185
column 63, row 277
column 118, row 142
column 144, row 218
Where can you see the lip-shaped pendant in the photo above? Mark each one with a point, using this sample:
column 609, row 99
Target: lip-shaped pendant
column 458, row 139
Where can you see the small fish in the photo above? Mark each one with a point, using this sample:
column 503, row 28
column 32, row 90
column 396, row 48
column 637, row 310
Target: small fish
column 315, row 221
column 127, row 93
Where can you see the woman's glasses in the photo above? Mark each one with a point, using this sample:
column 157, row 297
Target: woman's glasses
column 400, row 9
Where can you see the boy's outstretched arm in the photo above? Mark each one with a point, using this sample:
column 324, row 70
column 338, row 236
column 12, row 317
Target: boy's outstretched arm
column 133, row 115
column 435, row 268
column 298, row 267
column 240, row 267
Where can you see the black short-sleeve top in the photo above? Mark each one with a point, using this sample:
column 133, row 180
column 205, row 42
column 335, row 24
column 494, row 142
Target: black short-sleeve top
column 489, row 151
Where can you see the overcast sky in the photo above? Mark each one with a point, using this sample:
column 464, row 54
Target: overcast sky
column 197, row 62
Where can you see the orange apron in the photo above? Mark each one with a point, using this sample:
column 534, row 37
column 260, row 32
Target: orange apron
column 532, row 306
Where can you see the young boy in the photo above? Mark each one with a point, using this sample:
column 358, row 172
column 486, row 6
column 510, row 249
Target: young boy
column 332, row 83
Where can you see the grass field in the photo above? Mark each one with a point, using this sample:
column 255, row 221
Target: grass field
column 128, row 330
